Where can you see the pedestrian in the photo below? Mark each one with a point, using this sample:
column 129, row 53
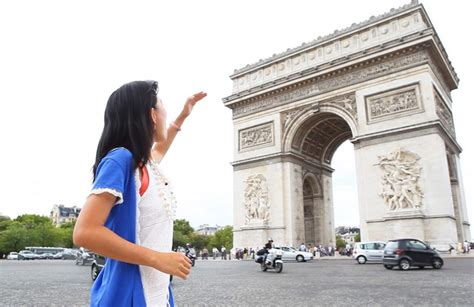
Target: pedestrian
column 130, row 191
column 302, row 247
column 214, row 253
column 223, row 253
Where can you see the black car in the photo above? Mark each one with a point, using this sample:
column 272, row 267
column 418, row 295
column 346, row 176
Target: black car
column 97, row 265
column 406, row 253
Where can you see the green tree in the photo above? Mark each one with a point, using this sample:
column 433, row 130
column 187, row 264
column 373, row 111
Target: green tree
column 65, row 234
column 340, row 243
column 200, row 241
column 4, row 218
column 357, row 237
column 45, row 235
column 183, row 227
column 179, row 239
column 223, row 237
column 13, row 238
column 182, row 232
column 30, row 221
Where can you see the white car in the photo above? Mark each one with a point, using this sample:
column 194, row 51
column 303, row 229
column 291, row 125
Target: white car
column 290, row 253
column 27, row 255
column 12, row 256
column 368, row 251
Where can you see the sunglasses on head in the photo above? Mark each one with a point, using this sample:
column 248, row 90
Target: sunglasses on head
column 153, row 87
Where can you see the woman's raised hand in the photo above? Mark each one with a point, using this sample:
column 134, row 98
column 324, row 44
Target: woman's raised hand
column 191, row 102
column 172, row 263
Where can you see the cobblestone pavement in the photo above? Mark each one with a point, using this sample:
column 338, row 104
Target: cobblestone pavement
column 241, row 283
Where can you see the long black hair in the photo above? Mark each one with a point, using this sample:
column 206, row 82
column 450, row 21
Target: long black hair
column 128, row 123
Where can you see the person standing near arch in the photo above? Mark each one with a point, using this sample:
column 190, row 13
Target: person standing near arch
column 128, row 216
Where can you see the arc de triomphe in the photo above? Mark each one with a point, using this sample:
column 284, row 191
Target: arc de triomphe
column 385, row 84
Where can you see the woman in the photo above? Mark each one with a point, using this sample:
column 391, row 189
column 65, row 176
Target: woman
column 128, row 217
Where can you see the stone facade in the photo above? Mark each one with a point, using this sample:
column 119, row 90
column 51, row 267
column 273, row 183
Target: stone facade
column 61, row 214
column 384, row 84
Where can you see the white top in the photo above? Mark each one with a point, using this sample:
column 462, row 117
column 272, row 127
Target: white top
column 155, row 215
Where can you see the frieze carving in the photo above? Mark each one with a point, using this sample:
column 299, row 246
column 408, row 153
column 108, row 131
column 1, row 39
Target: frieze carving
column 257, row 136
column 405, row 100
column 400, row 186
column 318, row 86
column 257, row 207
column 443, row 112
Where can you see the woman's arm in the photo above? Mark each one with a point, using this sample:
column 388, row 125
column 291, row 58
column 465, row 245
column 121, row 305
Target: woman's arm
column 91, row 233
column 160, row 149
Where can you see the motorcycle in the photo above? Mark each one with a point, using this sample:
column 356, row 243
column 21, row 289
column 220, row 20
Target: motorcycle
column 272, row 260
column 191, row 254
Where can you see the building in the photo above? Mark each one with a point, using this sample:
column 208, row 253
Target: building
column 61, row 214
column 207, row 230
column 349, row 237
column 384, row 84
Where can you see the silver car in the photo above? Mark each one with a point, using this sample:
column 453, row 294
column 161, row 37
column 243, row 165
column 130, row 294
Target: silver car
column 368, row 251
column 290, row 253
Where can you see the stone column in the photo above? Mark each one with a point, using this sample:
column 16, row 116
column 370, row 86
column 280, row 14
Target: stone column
column 329, row 236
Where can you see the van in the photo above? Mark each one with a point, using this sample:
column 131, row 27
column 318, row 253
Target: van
column 368, row 251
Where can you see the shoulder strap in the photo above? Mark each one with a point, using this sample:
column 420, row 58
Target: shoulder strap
column 145, row 180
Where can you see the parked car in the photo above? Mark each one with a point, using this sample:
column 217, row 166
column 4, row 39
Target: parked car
column 368, row 251
column 26, row 255
column 290, row 253
column 406, row 253
column 48, row 256
column 84, row 257
column 98, row 263
column 69, row 254
column 12, row 256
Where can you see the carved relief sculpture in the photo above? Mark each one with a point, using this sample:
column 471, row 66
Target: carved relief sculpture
column 443, row 112
column 256, row 203
column 393, row 102
column 400, row 181
column 256, row 136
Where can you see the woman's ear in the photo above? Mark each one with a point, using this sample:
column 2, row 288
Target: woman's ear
column 153, row 116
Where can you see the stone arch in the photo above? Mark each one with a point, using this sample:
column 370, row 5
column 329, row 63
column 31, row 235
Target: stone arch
column 311, row 113
column 313, row 210
column 384, row 87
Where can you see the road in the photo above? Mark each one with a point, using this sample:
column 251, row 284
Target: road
column 241, row 283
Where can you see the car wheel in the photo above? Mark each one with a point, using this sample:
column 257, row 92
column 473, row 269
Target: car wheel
column 388, row 267
column 299, row 258
column 94, row 272
column 404, row 264
column 361, row 259
column 437, row 263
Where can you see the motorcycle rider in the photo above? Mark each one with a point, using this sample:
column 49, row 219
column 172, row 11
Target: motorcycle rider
column 268, row 247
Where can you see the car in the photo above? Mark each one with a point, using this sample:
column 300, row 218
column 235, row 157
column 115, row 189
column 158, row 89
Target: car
column 48, row 256
column 98, row 263
column 12, row 256
column 84, row 257
column 27, row 255
column 407, row 253
column 290, row 253
column 368, row 251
